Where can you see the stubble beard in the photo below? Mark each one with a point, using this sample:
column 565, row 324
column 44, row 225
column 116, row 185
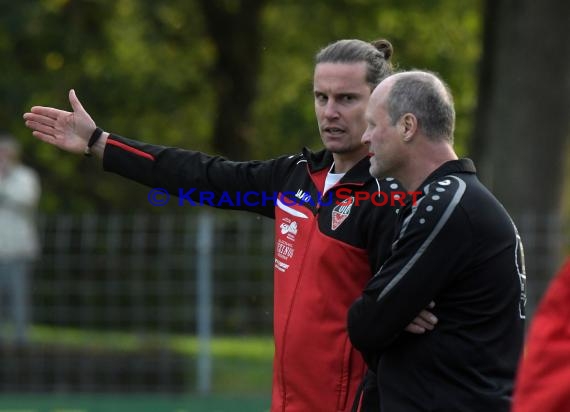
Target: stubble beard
column 376, row 168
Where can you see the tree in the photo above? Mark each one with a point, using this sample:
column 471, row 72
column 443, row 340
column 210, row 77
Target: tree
column 235, row 28
column 522, row 128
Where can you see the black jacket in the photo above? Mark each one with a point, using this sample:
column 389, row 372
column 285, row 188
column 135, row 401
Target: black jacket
column 456, row 246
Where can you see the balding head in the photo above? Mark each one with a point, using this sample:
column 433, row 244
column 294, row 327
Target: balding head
column 427, row 97
column 410, row 120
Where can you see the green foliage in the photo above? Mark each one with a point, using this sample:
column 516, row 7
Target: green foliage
column 145, row 70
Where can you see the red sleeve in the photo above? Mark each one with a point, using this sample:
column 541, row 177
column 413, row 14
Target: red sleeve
column 543, row 380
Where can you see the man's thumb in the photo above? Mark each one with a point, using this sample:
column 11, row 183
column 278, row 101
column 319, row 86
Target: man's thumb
column 75, row 104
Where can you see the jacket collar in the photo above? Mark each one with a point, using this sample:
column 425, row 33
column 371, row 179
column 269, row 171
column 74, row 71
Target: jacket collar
column 463, row 165
column 323, row 159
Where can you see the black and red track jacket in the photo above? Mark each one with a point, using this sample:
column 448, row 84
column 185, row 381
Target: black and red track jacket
column 325, row 252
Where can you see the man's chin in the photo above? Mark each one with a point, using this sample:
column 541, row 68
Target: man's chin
column 344, row 148
column 336, row 147
column 376, row 171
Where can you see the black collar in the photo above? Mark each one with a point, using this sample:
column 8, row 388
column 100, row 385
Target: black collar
column 463, row 165
column 323, row 159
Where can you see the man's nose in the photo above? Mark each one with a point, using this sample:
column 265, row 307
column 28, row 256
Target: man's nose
column 331, row 109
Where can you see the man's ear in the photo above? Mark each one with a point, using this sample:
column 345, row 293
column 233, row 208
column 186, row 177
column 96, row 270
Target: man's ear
column 408, row 125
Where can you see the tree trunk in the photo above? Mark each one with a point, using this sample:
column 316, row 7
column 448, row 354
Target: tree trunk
column 235, row 30
column 522, row 123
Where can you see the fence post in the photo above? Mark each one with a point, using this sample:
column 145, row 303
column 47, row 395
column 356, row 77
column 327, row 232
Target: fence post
column 204, row 300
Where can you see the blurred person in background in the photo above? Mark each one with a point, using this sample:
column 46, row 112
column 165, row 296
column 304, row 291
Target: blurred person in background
column 19, row 245
column 324, row 253
column 543, row 379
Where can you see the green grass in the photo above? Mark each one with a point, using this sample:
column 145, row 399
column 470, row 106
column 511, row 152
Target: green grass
column 240, row 365
column 131, row 403
column 247, row 347
column 241, row 373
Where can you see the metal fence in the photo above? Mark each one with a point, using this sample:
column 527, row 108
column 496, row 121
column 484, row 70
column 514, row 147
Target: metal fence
column 114, row 296
column 139, row 272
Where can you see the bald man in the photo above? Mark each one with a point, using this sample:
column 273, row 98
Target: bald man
column 455, row 245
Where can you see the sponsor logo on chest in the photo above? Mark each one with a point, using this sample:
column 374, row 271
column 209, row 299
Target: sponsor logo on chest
column 304, row 196
column 285, row 245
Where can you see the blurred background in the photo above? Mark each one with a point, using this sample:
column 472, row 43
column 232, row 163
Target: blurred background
column 135, row 307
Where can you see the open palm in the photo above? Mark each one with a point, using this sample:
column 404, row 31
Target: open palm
column 69, row 131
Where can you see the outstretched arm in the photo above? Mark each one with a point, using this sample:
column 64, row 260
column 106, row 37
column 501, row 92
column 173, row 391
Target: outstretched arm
column 69, row 131
column 197, row 178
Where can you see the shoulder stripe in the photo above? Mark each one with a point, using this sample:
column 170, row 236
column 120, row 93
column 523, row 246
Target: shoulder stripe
column 442, row 221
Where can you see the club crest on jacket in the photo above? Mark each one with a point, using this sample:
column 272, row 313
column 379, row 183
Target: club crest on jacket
column 341, row 212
